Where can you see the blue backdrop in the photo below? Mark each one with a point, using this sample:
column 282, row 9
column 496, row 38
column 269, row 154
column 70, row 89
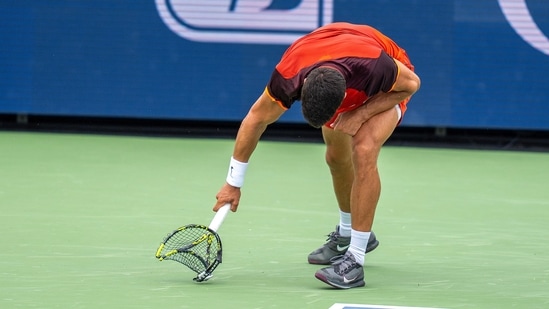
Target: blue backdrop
column 483, row 64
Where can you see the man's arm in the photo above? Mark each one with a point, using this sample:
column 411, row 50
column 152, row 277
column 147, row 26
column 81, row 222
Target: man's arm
column 262, row 113
column 406, row 84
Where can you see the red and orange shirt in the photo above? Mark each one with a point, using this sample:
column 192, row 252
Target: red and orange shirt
column 361, row 53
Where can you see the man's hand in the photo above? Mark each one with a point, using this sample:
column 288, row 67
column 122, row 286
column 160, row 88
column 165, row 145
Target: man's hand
column 227, row 194
column 349, row 122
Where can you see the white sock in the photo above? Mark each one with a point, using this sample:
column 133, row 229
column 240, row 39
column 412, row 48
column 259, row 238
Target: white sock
column 359, row 242
column 344, row 224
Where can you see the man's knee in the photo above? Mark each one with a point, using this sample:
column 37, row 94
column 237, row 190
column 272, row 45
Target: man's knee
column 366, row 151
column 337, row 158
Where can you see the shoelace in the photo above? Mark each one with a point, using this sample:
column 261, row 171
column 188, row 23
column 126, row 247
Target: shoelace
column 342, row 263
column 333, row 236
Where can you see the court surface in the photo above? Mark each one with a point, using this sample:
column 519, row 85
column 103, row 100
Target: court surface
column 82, row 215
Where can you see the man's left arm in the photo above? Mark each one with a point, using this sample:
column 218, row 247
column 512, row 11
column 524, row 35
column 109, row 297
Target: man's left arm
column 406, row 84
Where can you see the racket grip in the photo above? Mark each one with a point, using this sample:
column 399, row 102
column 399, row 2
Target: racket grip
column 219, row 217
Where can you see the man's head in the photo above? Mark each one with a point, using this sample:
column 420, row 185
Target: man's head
column 322, row 93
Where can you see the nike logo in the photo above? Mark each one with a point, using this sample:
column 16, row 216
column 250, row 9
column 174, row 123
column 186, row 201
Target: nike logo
column 342, row 248
column 345, row 280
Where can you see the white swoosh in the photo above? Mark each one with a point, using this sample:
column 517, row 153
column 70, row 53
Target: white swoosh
column 349, row 280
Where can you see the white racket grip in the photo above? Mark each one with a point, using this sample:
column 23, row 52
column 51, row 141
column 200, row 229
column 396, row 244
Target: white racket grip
column 219, row 217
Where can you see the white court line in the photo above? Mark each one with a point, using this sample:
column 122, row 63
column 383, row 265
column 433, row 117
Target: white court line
column 363, row 306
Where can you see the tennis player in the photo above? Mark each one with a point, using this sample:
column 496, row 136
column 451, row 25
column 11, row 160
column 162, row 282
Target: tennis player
column 354, row 83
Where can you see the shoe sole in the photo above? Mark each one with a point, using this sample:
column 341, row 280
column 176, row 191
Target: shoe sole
column 357, row 284
column 371, row 247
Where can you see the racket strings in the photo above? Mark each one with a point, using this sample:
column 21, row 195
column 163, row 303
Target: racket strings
column 196, row 246
column 191, row 260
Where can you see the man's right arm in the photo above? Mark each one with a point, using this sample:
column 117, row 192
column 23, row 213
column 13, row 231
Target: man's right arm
column 262, row 113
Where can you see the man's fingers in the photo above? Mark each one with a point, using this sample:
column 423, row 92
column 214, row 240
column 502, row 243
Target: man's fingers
column 234, row 207
column 219, row 204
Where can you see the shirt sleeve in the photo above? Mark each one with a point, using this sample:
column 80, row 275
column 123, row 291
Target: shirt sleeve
column 383, row 75
column 284, row 91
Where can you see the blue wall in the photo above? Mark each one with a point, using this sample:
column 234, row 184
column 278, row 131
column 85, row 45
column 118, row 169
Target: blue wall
column 169, row 59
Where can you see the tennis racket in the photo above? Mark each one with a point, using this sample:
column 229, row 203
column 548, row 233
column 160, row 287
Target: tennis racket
column 196, row 246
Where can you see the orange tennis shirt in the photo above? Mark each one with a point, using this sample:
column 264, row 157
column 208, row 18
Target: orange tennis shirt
column 361, row 53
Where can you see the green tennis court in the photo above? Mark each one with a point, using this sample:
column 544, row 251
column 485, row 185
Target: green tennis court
column 82, row 216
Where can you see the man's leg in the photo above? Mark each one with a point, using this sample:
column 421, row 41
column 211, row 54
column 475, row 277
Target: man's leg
column 339, row 160
column 366, row 145
column 364, row 195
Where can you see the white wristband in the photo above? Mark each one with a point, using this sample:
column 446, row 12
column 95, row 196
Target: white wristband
column 236, row 173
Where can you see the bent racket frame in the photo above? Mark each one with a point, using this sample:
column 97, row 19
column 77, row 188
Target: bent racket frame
column 196, row 246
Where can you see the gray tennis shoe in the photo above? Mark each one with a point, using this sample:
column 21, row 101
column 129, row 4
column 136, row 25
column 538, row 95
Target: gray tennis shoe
column 344, row 273
column 336, row 246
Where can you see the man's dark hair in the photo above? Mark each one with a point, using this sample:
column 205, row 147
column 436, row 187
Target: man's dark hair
column 322, row 93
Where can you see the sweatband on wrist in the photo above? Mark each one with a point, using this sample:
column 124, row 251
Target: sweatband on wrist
column 236, row 173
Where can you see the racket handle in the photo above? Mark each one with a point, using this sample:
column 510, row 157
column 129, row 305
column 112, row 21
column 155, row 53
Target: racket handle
column 219, row 217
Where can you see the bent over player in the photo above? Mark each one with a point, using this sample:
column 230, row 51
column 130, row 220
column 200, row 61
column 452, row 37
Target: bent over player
column 353, row 83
